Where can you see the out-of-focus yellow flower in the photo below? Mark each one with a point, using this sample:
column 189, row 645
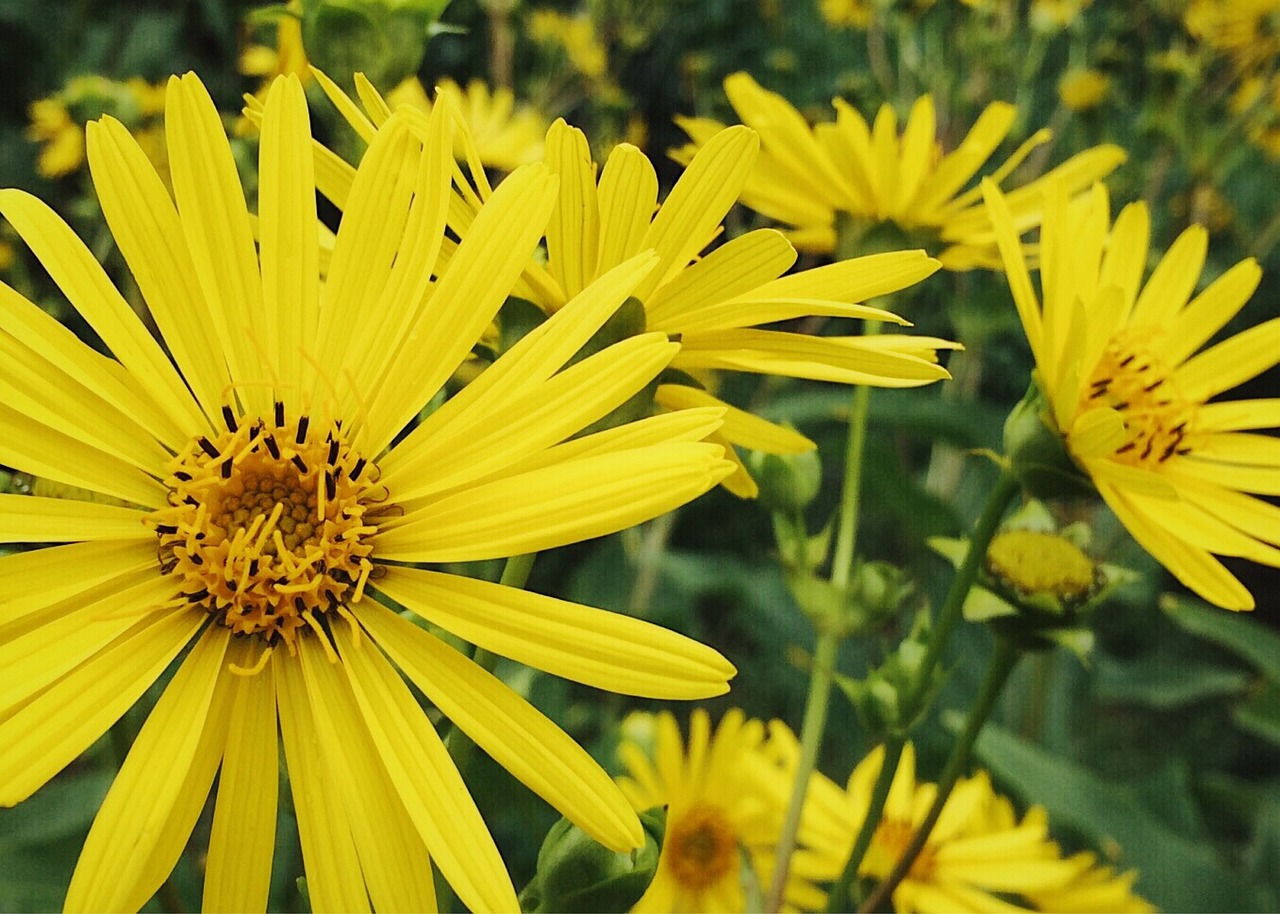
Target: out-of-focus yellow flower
column 979, row 856
column 506, row 136
column 846, row 13
column 576, row 35
column 725, row 797
column 6, row 255
column 1081, row 90
column 57, row 122
column 808, row 177
column 1126, row 388
column 287, row 57
column 1053, row 15
column 1241, row 29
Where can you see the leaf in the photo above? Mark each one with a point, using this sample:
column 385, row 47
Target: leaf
column 1175, row 872
column 61, row 809
column 1239, row 633
column 1158, row 681
column 1260, row 714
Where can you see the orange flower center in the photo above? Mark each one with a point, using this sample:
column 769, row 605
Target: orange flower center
column 1131, row 379
column 887, row 844
column 270, row 525
column 701, row 847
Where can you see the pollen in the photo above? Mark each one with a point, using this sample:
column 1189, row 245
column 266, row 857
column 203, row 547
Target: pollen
column 1132, row 379
column 891, row 838
column 270, row 525
column 1042, row 563
column 701, row 847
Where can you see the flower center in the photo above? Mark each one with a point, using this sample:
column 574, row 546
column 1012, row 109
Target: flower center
column 701, row 847
column 270, row 525
column 1131, row 379
column 1032, row 562
column 887, row 844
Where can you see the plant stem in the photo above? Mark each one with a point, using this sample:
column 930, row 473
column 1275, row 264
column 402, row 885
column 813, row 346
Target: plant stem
column 985, row 527
column 824, row 652
column 1003, row 661
column 840, row 898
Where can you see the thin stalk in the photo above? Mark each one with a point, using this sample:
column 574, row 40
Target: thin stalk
column 840, row 898
column 984, row 529
column 824, row 652
column 1003, row 661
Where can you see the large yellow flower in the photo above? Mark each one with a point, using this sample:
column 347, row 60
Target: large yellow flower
column 810, row 177
column 271, row 511
column 712, row 304
column 725, row 796
column 1117, row 363
column 979, row 856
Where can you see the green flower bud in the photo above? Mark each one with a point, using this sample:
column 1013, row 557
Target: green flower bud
column 576, row 873
column 384, row 39
column 1036, row 452
column 788, row 482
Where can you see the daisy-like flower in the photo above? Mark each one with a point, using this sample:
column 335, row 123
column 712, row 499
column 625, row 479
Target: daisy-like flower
column 1117, row 364
column 271, row 513
column 812, row 177
column 979, row 857
column 506, row 135
column 712, row 304
column 725, row 797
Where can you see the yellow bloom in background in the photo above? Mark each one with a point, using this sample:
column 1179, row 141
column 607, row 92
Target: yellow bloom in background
column 576, row 35
column 506, row 136
column 262, row 517
column 61, row 138
column 288, row 57
column 725, row 798
column 712, row 304
column 1241, row 29
column 1081, row 90
column 810, row 177
column 1117, row 363
column 1052, row 15
column 979, row 857
column 846, row 13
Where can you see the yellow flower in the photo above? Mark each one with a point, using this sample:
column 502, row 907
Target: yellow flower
column 288, row 57
column 1083, row 89
column 979, row 856
column 1052, row 15
column 1116, row 361
column 576, row 34
column 808, row 177
column 1241, row 29
column 62, row 138
column 712, row 304
column 846, row 13
column 273, row 498
column 725, row 795
column 505, row 136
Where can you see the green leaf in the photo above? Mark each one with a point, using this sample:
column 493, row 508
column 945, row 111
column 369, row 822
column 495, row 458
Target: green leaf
column 61, row 809
column 1260, row 714
column 1158, row 681
column 1175, row 872
column 1239, row 633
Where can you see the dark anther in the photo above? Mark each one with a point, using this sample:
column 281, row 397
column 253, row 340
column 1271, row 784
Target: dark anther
column 302, row 430
column 226, row 468
column 1124, row 363
column 300, row 604
column 333, row 452
column 299, row 463
column 1128, row 446
column 189, row 500
column 207, row 446
column 196, row 558
column 253, row 567
column 1152, row 386
column 166, row 528
column 330, row 487
column 1169, row 451
column 229, row 417
column 357, row 469
column 1123, row 404
column 274, row 448
column 200, row 534
column 1146, row 451
column 199, row 595
column 279, row 414
column 231, row 585
column 182, row 475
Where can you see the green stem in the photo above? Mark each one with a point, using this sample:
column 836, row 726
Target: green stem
column 824, row 652
column 984, row 530
column 840, row 898
column 1003, row 661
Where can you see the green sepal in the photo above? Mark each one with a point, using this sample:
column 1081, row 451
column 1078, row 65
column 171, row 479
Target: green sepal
column 875, row 594
column 1037, row 454
column 880, row 698
column 628, row 321
column 576, row 873
column 682, row 378
column 516, row 319
column 788, row 482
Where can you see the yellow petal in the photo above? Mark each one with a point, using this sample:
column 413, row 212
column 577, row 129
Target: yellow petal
column 350, row 112
column 740, row 426
column 215, row 223
column 1238, row 415
column 628, row 195
column 393, row 856
column 38, row 578
column 114, row 861
column 565, row 503
column 1231, row 362
column 288, row 244
column 957, row 167
column 425, row 778
column 31, row 519
column 1209, row 311
column 1126, row 258
column 602, row 649
column 918, row 149
column 242, row 841
column 1015, row 265
column 513, row 732
column 147, row 229
column 1097, row 433
column 334, row 879
column 572, row 233
column 1173, row 280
